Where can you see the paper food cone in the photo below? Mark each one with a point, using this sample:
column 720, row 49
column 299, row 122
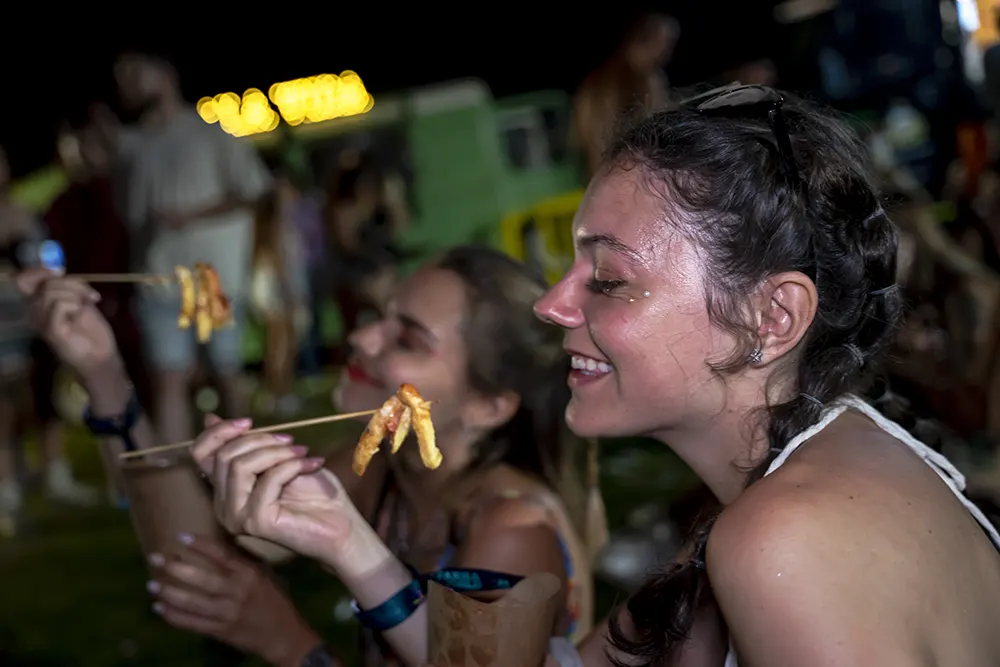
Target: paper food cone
column 510, row 632
column 168, row 497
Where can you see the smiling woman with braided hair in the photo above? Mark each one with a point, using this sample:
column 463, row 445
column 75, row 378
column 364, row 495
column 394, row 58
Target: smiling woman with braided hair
column 733, row 289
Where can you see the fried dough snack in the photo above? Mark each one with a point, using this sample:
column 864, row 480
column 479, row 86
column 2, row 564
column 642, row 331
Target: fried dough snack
column 219, row 308
column 386, row 420
column 421, row 417
column 186, row 283
column 202, row 302
column 397, row 415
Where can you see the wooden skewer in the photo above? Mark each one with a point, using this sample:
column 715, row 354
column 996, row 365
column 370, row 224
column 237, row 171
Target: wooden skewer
column 264, row 429
column 148, row 278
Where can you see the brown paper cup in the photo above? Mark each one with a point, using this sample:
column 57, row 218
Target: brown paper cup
column 167, row 496
column 512, row 631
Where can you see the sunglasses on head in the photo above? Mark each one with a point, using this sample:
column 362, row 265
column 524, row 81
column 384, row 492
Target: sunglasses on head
column 737, row 99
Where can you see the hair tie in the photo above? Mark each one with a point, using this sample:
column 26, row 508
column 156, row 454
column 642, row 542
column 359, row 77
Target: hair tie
column 884, row 290
column 855, row 352
column 812, row 399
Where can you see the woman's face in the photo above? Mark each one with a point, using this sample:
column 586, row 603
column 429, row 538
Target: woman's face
column 418, row 340
column 634, row 311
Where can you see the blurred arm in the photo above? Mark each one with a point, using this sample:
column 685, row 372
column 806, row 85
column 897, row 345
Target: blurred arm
column 109, row 390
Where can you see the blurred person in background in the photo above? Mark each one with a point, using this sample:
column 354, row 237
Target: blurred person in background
column 508, row 497
column 278, row 294
column 188, row 195
column 85, row 221
column 20, row 231
column 366, row 211
column 303, row 209
column 633, row 80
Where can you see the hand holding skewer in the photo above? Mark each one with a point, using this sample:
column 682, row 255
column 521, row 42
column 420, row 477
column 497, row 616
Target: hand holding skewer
column 203, row 303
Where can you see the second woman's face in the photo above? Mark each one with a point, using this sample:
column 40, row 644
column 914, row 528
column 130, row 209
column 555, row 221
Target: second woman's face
column 417, row 340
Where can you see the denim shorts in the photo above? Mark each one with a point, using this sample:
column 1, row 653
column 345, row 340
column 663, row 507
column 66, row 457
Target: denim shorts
column 170, row 348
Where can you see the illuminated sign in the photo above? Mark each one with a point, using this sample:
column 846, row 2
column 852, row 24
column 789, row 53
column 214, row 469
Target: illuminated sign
column 309, row 100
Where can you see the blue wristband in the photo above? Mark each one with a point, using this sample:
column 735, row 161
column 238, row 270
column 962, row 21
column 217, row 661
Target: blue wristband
column 393, row 611
column 120, row 426
column 401, row 606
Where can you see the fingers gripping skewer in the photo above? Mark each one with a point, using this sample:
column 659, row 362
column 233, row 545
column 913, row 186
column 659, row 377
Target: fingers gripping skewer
column 203, row 304
column 396, row 416
column 264, row 429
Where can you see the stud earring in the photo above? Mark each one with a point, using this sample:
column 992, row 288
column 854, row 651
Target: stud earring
column 756, row 357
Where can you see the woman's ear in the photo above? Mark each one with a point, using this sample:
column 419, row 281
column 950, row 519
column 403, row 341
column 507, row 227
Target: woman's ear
column 485, row 413
column 788, row 303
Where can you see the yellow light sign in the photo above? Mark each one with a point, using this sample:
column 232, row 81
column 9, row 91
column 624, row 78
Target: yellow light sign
column 323, row 97
column 238, row 116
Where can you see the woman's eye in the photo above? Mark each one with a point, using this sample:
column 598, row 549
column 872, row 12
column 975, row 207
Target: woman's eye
column 604, row 286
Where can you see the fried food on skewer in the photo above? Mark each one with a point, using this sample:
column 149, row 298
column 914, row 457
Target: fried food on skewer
column 422, row 425
column 186, row 283
column 218, row 304
column 202, row 312
column 403, row 429
column 383, row 422
column 398, row 414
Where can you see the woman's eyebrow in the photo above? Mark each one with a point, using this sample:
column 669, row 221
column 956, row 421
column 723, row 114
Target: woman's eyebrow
column 611, row 243
column 411, row 322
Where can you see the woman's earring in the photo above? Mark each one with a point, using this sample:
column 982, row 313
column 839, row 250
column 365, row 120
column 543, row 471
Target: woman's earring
column 756, row 357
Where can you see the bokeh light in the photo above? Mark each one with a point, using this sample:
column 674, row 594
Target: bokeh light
column 239, row 116
column 309, row 100
column 323, row 97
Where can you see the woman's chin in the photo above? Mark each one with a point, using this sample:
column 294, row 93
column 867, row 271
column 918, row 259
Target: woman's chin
column 587, row 421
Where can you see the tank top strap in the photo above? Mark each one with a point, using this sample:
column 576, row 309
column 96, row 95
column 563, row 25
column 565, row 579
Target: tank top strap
column 937, row 461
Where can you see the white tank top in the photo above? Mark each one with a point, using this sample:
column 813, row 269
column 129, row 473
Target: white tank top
column 938, row 463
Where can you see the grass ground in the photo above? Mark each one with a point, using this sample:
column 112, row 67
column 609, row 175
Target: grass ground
column 73, row 584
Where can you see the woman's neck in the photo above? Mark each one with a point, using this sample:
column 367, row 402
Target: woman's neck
column 722, row 448
column 427, row 490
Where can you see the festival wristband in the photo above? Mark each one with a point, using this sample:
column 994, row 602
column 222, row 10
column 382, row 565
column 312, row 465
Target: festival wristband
column 120, row 426
column 393, row 611
column 464, row 580
column 401, row 606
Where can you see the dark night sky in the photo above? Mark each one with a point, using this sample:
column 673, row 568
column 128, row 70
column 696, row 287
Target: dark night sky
column 513, row 49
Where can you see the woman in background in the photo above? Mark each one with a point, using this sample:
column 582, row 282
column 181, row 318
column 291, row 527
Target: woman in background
column 507, row 498
column 366, row 211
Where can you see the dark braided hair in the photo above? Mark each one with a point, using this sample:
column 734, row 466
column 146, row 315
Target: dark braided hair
column 751, row 222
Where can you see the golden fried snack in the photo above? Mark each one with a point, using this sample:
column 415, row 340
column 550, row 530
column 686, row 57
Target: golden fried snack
column 219, row 308
column 187, row 286
column 421, row 419
column 383, row 422
column 369, row 443
column 202, row 312
column 403, row 429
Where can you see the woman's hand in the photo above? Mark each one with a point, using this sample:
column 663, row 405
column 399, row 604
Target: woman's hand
column 65, row 314
column 214, row 591
column 268, row 488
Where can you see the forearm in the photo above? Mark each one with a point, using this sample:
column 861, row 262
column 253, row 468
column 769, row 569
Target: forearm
column 228, row 205
column 110, row 390
column 373, row 575
column 294, row 647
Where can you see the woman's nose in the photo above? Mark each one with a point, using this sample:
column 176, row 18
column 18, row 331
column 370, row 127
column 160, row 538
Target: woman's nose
column 367, row 339
column 558, row 307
